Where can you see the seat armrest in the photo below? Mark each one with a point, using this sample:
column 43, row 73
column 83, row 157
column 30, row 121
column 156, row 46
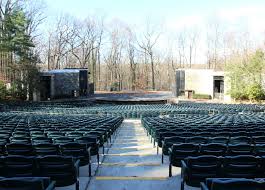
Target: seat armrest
column 203, row 186
column 77, row 164
column 163, row 143
column 89, row 154
column 170, row 154
column 184, row 168
column 170, row 150
column 183, row 164
column 51, row 186
column 89, row 149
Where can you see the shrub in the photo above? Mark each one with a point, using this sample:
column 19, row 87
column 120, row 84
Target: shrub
column 245, row 75
column 201, row 96
column 255, row 92
column 3, row 90
column 114, row 86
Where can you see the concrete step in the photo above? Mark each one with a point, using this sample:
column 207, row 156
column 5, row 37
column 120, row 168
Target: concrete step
column 132, row 159
column 129, row 178
column 135, row 183
column 138, row 171
column 138, row 151
column 123, row 146
column 129, row 164
column 130, row 145
column 144, row 138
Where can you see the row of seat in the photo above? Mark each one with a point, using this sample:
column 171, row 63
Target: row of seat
column 126, row 111
column 219, row 142
column 64, row 170
column 76, row 150
column 223, row 108
column 233, row 184
column 179, row 152
column 195, row 170
column 212, row 120
column 52, row 145
column 27, row 183
column 245, row 130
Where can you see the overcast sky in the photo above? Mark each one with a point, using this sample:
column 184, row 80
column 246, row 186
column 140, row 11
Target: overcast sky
column 174, row 15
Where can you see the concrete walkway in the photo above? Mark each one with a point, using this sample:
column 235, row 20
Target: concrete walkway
column 131, row 163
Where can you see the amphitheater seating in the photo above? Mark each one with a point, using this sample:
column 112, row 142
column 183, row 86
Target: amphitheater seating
column 19, row 166
column 79, row 152
column 51, row 145
column 25, row 149
column 221, row 140
column 242, row 166
column 92, row 142
column 179, row 152
column 197, row 169
column 240, row 149
column 168, row 142
column 46, row 149
column 58, row 137
column 26, row 183
column 63, row 170
column 215, row 149
column 233, row 184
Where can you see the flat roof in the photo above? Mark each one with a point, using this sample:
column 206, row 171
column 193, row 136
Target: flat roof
column 63, row 71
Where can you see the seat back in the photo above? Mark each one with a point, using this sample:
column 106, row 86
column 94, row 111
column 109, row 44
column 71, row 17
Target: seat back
column 215, row 149
column 19, row 149
column 45, row 149
column 203, row 164
column 259, row 149
column 240, row 140
column 73, row 149
column 197, row 140
column 240, row 149
column 244, row 166
column 236, row 184
column 19, row 166
column 221, row 140
column 187, row 149
column 258, row 139
column 25, row 183
column 60, row 168
column 62, row 140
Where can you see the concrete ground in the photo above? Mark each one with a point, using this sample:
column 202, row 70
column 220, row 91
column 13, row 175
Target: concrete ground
column 131, row 163
column 128, row 96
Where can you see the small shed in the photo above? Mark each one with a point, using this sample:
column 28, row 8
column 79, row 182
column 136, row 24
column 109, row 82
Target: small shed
column 201, row 81
column 63, row 83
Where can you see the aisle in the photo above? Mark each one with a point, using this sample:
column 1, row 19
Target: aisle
column 131, row 163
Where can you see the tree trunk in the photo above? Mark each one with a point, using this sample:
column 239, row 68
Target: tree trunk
column 153, row 72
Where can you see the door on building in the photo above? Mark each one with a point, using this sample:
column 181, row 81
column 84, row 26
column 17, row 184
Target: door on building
column 83, row 82
column 218, row 87
column 45, row 88
column 180, row 83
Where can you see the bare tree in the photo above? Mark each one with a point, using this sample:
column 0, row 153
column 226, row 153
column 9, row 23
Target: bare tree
column 59, row 47
column 147, row 43
column 193, row 38
column 214, row 36
column 131, row 55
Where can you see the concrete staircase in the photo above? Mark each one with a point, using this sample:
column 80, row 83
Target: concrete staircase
column 132, row 163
